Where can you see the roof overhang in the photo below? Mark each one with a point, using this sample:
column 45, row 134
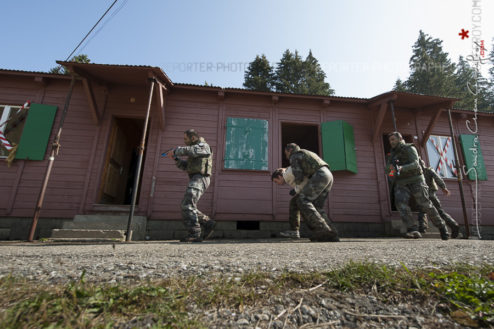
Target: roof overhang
column 131, row 75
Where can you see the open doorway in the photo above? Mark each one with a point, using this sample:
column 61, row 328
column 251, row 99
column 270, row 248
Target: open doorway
column 121, row 162
column 387, row 150
column 306, row 136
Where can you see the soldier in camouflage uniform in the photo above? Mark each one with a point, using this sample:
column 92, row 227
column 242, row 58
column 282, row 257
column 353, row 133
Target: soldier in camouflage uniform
column 198, row 166
column 409, row 182
column 310, row 201
column 432, row 180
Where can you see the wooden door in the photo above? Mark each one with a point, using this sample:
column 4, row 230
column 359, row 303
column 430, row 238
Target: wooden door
column 116, row 167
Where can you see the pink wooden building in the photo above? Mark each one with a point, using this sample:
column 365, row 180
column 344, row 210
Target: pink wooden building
column 94, row 170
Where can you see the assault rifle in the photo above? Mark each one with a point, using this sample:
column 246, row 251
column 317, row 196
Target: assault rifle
column 395, row 164
column 164, row 154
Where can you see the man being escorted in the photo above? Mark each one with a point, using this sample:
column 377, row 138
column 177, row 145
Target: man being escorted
column 410, row 182
column 285, row 175
column 310, row 201
column 432, row 180
column 198, row 166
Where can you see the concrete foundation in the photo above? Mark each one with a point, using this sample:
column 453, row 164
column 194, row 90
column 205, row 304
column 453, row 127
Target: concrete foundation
column 143, row 229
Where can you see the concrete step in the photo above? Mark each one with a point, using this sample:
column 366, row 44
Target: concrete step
column 87, row 235
column 109, row 222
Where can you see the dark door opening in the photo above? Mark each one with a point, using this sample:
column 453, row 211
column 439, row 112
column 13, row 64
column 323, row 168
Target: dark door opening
column 387, row 150
column 121, row 161
column 306, row 136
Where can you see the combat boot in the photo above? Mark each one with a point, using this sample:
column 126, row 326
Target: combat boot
column 413, row 235
column 193, row 235
column 191, row 238
column 290, row 234
column 455, row 230
column 444, row 233
column 324, row 236
column 208, row 229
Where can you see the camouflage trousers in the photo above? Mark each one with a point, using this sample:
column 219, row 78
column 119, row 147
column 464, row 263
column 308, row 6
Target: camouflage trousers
column 193, row 217
column 420, row 192
column 310, row 202
column 448, row 220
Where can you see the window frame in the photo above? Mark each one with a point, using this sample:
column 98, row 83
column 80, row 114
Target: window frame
column 224, row 160
column 4, row 118
column 450, row 157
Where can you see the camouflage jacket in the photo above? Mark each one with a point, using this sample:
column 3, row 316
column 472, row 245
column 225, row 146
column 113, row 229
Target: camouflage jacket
column 407, row 157
column 200, row 158
column 305, row 163
column 433, row 179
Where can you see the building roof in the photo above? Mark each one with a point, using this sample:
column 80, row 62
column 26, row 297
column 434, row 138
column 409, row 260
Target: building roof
column 118, row 74
column 137, row 74
column 268, row 93
column 33, row 73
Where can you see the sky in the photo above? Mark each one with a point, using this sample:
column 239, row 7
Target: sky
column 363, row 46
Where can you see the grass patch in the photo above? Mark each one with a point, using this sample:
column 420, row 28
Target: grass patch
column 171, row 303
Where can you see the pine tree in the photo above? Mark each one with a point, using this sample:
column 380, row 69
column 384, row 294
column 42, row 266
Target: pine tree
column 290, row 73
column 432, row 72
column 59, row 69
column 400, row 85
column 314, row 77
column 259, row 75
column 471, row 86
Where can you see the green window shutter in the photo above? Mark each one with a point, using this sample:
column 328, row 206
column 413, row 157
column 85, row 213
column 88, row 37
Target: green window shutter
column 338, row 146
column 36, row 132
column 472, row 154
column 246, row 144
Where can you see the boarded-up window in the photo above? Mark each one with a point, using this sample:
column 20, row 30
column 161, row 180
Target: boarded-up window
column 12, row 119
column 338, row 146
column 36, row 132
column 442, row 156
column 474, row 161
column 246, row 144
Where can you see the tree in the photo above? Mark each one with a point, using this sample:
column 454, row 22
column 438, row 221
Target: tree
column 400, row 85
column 432, row 72
column 59, row 69
column 491, row 59
column 292, row 75
column 314, row 77
column 471, row 87
column 259, row 75
column 491, row 73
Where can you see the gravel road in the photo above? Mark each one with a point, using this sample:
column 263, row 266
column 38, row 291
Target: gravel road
column 59, row 263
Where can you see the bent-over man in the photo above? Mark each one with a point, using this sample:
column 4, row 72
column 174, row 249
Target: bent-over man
column 281, row 176
column 310, row 201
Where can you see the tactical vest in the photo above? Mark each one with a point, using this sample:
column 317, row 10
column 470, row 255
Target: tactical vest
column 402, row 155
column 200, row 165
column 311, row 162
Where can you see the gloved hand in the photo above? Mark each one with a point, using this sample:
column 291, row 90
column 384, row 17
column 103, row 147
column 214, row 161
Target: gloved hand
column 292, row 192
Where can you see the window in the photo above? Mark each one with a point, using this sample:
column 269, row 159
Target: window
column 441, row 156
column 304, row 135
column 12, row 119
column 246, row 144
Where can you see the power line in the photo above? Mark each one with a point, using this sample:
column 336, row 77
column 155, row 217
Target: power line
column 103, row 24
column 99, row 20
